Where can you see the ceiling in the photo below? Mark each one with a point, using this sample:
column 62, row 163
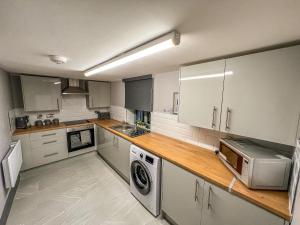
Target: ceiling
column 91, row 31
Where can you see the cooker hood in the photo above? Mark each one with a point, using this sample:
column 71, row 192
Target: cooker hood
column 73, row 87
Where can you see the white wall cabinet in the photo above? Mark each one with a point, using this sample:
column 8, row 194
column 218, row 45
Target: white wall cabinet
column 260, row 96
column 201, row 89
column 182, row 194
column 263, row 95
column 41, row 93
column 221, row 207
column 99, row 94
column 115, row 150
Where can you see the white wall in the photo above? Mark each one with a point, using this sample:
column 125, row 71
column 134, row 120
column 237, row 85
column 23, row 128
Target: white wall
column 5, row 134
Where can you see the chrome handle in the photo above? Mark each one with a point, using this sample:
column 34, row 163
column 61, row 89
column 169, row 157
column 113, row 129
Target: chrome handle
column 196, row 191
column 47, row 135
column 57, row 101
column 52, row 154
column 213, row 123
column 228, row 115
column 208, row 201
column 49, row 142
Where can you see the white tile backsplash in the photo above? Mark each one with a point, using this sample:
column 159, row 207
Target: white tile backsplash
column 73, row 108
column 168, row 125
column 121, row 114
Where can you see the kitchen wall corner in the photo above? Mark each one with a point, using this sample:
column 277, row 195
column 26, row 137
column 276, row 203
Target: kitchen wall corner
column 5, row 134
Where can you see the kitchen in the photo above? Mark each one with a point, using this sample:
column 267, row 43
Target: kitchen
column 166, row 123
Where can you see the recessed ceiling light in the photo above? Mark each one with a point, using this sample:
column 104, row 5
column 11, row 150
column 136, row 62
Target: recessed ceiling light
column 58, row 59
column 164, row 42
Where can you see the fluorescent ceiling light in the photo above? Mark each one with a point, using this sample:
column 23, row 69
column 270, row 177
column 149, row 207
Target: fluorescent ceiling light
column 57, row 82
column 167, row 41
column 207, row 76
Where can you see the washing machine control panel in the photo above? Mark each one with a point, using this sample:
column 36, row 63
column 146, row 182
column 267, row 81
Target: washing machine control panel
column 149, row 159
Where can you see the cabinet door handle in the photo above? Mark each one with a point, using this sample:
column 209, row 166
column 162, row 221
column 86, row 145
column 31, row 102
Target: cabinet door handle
column 196, row 191
column 57, row 101
column 47, row 135
column 52, row 154
column 213, row 123
column 208, row 200
column 49, row 142
column 228, row 117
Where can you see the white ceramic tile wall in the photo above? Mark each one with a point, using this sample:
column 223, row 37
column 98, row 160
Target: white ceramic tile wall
column 168, row 125
column 120, row 113
column 73, row 108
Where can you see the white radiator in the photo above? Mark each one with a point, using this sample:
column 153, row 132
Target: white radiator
column 12, row 163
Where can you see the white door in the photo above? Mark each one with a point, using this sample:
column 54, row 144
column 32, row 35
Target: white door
column 262, row 96
column 182, row 194
column 221, row 207
column 201, row 94
column 41, row 93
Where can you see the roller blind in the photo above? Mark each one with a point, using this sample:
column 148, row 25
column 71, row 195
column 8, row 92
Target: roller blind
column 138, row 93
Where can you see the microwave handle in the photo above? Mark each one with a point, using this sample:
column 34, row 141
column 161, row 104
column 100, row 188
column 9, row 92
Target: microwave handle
column 222, row 156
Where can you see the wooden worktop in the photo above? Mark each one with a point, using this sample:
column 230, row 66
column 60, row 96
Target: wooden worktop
column 199, row 161
column 34, row 129
column 204, row 163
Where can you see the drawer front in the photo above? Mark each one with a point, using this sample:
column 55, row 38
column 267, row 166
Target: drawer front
column 50, row 141
column 48, row 154
column 48, row 134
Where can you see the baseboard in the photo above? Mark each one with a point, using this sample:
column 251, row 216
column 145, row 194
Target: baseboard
column 8, row 203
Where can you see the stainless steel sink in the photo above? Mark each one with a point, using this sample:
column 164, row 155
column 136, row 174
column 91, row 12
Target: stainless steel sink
column 129, row 130
column 124, row 127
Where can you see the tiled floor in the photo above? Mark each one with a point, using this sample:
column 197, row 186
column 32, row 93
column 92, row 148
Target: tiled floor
column 80, row 191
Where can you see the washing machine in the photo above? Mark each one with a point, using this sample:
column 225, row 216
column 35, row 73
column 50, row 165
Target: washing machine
column 145, row 170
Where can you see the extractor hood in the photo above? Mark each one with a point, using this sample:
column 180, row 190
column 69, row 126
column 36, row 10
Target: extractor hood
column 73, row 87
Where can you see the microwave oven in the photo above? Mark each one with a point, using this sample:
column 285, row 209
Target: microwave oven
column 256, row 166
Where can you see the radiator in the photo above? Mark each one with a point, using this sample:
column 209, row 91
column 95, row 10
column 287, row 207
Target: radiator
column 11, row 164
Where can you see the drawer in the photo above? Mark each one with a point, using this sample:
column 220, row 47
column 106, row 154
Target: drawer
column 48, row 154
column 48, row 134
column 50, row 141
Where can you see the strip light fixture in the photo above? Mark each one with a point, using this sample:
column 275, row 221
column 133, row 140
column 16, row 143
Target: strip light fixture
column 164, row 42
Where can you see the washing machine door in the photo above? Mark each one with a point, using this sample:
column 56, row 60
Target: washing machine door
column 141, row 177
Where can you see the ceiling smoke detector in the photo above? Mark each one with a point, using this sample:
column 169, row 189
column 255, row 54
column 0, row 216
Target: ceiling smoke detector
column 58, row 59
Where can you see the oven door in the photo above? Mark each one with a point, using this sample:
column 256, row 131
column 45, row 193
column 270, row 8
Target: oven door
column 80, row 139
column 234, row 159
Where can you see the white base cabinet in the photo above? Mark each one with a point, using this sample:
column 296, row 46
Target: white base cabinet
column 43, row 147
column 182, row 194
column 222, row 207
column 115, row 150
column 189, row 200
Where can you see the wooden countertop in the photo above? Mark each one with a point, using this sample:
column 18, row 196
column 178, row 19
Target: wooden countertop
column 35, row 129
column 204, row 163
column 199, row 161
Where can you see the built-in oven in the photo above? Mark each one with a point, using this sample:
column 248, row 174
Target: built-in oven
column 81, row 138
